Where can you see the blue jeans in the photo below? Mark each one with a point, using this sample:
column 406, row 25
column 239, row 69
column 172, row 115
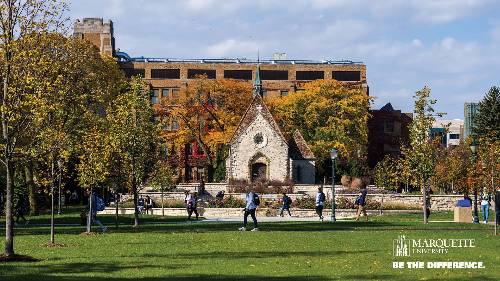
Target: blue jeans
column 485, row 209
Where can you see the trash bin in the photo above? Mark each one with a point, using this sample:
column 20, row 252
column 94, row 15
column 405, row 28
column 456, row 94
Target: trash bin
column 462, row 211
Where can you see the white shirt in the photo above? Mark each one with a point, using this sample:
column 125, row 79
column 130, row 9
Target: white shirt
column 318, row 199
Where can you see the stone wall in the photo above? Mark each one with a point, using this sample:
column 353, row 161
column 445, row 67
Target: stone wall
column 438, row 202
column 215, row 213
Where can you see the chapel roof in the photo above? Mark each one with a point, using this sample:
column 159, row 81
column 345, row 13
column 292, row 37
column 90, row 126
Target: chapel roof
column 298, row 148
column 257, row 105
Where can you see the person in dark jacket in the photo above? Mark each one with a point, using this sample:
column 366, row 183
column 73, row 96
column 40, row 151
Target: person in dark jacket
column 287, row 201
column 21, row 209
column 361, row 200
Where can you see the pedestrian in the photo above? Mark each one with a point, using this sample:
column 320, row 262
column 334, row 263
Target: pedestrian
column 485, row 205
column 467, row 198
column 287, row 201
column 192, row 202
column 320, row 203
column 73, row 198
column 141, row 205
column 149, row 204
column 220, row 195
column 20, row 209
column 97, row 205
column 252, row 201
column 201, row 187
column 361, row 200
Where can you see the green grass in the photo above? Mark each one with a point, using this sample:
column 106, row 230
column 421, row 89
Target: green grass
column 170, row 249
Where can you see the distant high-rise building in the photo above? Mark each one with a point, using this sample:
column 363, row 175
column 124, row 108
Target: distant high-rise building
column 450, row 131
column 470, row 111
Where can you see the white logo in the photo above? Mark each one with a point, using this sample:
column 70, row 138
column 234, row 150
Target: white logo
column 401, row 247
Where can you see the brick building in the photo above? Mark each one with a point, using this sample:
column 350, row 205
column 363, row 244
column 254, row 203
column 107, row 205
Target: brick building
column 167, row 77
column 387, row 130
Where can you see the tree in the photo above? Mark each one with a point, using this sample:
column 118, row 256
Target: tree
column 207, row 112
column 134, row 135
column 18, row 19
column 487, row 120
column 387, row 174
column 161, row 178
column 329, row 114
column 422, row 155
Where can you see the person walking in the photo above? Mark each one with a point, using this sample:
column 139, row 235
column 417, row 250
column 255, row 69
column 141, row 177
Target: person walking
column 192, row 203
column 287, row 201
column 320, row 203
column 97, row 205
column 21, row 208
column 485, row 205
column 252, row 201
column 361, row 201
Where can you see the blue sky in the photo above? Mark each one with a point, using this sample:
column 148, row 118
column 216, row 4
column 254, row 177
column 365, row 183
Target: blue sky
column 452, row 46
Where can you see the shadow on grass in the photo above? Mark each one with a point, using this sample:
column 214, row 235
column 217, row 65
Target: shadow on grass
column 260, row 254
column 198, row 277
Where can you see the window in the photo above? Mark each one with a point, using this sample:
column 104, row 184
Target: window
column 346, row 75
column 238, row 74
column 274, row 74
column 154, row 96
column 194, row 73
column 389, row 126
column 310, row 75
column 283, row 93
column 175, row 125
column 165, row 93
column 174, row 94
column 129, row 72
column 454, row 136
column 166, row 73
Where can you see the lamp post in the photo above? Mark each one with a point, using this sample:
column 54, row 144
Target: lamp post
column 473, row 148
column 333, row 155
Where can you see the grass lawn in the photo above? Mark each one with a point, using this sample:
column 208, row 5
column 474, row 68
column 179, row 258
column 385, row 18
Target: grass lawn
column 171, row 249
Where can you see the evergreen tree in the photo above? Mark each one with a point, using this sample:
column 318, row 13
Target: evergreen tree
column 487, row 121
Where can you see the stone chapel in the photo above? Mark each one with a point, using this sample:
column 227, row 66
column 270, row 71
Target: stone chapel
column 258, row 149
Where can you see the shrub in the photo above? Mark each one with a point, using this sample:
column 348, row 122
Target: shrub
column 345, row 180
column 262, row 187
column 227, row 202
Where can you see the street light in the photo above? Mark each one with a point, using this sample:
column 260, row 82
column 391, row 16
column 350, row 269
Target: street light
column 333, row 155
column 473, row 148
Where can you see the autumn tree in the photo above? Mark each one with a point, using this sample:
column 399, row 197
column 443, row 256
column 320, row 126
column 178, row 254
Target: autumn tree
column 386, row 173
column 422, row 155
column 19, row 19
column 161, row 178
column 329, row 114
column 134, row 135
column 207, row 112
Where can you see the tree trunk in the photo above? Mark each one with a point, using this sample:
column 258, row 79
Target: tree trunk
column 9, row 230
column 425, row 202
column 136, row 210
column 32, row 189
column 89, row 214
column 162, row 206
column 116, row 209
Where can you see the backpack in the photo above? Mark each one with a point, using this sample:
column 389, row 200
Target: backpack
column 288, row 201
column 256, row 199
column 99, row 203
column 322, row 197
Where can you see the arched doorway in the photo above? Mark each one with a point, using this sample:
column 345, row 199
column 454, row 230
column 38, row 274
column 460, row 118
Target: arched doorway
column 259, row 171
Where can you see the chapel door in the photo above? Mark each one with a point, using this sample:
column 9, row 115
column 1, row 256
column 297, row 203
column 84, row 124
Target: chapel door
column 259, row 171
